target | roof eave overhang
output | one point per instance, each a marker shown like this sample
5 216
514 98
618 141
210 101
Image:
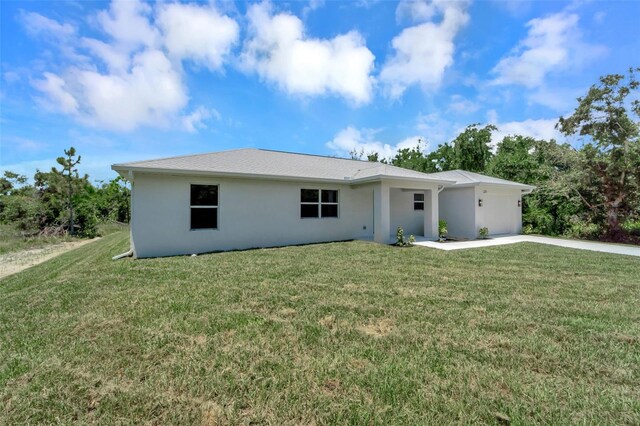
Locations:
378 178
502 185
124 171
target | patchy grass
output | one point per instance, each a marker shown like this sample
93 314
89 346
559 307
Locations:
12 239
331 333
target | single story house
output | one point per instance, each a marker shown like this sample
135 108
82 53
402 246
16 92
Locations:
250 198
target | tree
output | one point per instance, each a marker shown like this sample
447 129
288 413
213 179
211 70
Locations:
70 173
442 159
514 159
411 158
608 117
472 148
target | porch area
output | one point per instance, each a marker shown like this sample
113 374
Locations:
410 205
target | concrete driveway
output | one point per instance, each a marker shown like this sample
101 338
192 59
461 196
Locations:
512 239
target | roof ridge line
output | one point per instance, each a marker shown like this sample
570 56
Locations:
188 155
313 155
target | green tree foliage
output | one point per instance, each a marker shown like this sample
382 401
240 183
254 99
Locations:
70 175
61 199
472 148
608 117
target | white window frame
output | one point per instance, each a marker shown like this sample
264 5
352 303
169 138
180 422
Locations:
216 207
319 203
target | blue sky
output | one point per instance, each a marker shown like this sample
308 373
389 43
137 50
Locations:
129 80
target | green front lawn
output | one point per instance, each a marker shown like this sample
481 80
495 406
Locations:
331 333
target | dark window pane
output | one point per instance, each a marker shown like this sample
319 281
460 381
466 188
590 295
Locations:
309 195
418 206
204 195
418 197
308 210
329 196
329 210
204 218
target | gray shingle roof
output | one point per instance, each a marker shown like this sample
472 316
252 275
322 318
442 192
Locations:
266 163
465 178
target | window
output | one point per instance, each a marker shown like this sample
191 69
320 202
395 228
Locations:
204 206
418 201
318 203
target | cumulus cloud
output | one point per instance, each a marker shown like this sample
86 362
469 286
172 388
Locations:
58 96
536 128
134 76
351 139
127 22
197 33
279 51
423 52
553 44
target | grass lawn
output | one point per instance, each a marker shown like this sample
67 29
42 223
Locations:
331 333
12 239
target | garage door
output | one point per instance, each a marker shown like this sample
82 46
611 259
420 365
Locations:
500 213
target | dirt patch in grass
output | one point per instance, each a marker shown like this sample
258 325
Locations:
14 262
377 328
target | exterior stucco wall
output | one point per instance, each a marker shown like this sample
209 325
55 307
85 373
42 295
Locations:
458 208
251 213
403 214
499 212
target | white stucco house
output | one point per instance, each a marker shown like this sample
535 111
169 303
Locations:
249 198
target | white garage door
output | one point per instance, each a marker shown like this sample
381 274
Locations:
500 213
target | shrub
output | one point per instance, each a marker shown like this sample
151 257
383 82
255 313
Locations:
442 230
582 230
632 227
484 232
401 241
86 219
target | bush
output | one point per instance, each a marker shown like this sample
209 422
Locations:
401 241
582 230
86 219
484 232
632 227
528 229
442 230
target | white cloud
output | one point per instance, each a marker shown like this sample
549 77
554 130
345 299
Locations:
197 33
558 99
536 128
460 105
57 92
437 129
38 25
127 22
351 139
196 119
313 5
553 44
143 83
280 52
422 53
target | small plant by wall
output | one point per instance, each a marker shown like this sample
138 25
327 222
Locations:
484 232
442 230
401 240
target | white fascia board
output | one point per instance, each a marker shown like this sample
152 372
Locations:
181 172
123 170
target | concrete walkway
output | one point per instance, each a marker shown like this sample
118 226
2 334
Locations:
512 239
